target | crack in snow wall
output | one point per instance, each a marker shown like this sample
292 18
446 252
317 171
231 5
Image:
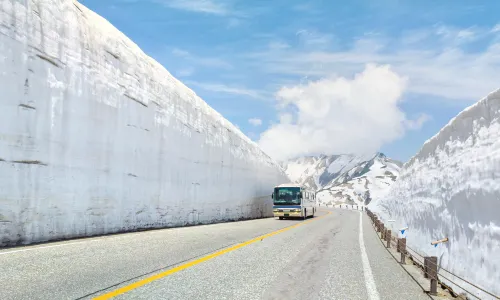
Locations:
451 188
96 137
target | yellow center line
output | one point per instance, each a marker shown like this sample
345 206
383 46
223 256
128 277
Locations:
145 281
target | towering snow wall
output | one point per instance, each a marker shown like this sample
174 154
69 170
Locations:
451 188
96 137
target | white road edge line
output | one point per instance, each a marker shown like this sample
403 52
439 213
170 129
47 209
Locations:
45 247
371 287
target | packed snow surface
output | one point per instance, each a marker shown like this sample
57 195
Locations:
97 137
451 188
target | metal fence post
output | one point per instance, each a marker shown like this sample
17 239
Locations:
432 267
402 248
426 267
388 238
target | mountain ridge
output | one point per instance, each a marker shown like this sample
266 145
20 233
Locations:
344 178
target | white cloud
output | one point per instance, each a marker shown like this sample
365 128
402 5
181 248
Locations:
313 38
255 121
286 118
186 72
496 28
415 37
222 88
180 52
339 115
203 6
456 36
214 62
252 135
465 34
434 60
276 45
418 123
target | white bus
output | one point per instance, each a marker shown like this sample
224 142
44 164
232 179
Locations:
293 200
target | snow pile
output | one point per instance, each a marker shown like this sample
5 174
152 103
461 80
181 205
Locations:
345 178
97 137
451 188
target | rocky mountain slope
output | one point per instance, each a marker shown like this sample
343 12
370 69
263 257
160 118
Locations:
344 178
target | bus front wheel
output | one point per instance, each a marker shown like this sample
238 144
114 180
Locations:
281 218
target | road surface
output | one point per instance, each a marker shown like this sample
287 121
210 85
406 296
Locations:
327 257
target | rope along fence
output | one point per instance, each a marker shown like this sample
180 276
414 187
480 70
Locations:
428 264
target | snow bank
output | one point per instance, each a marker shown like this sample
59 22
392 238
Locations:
96 137
451 188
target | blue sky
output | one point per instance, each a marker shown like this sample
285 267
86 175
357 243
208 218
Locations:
300 67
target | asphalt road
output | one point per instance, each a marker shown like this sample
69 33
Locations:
326 257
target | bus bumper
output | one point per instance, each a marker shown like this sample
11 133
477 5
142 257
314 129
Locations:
288 214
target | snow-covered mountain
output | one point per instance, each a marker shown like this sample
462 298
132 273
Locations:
344 178
451 188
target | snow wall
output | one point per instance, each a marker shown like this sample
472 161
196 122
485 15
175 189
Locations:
96 137
451 188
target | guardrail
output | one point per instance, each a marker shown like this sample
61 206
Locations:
428 264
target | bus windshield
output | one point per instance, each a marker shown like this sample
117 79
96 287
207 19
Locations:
287 196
